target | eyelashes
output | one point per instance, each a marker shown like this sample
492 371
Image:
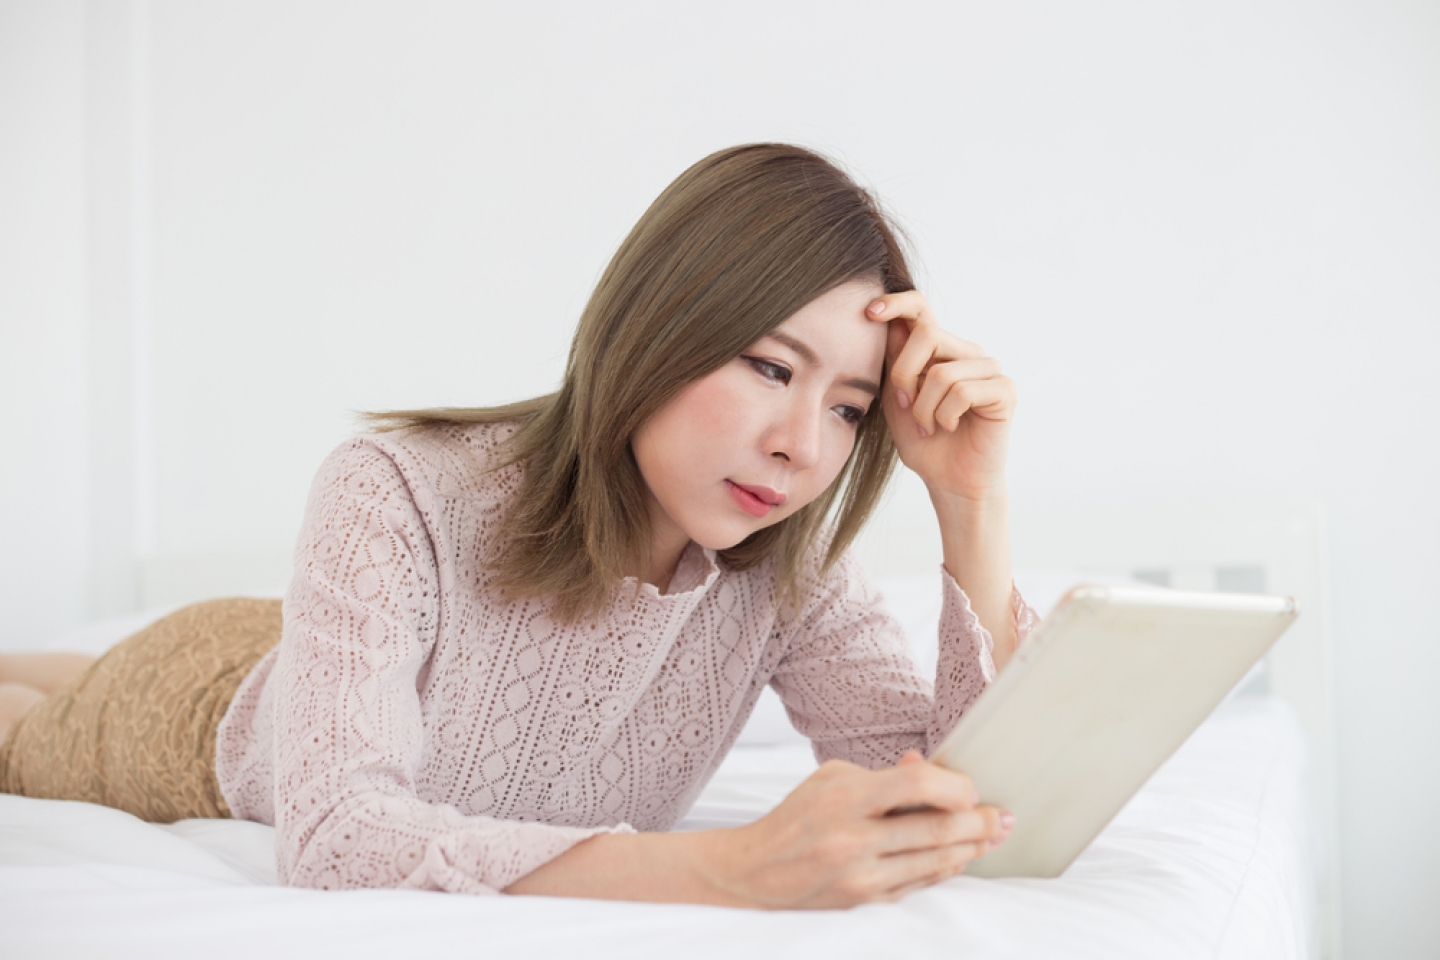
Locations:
781 374
773 372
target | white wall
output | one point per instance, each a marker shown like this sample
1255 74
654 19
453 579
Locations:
44 482
1203 238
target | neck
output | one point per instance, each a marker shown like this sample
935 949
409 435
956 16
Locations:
664 557
667 544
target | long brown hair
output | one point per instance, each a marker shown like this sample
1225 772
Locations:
734 246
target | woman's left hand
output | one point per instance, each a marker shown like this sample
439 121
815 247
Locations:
948 404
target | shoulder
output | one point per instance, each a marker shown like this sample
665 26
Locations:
453 461
825 591
434 488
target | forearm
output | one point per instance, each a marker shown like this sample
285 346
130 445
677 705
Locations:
650 867
976 539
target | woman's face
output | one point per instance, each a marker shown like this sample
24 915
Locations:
753 442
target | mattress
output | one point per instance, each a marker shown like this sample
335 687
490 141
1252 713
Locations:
1208 860
1213 858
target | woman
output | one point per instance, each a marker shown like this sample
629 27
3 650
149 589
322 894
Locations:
515 635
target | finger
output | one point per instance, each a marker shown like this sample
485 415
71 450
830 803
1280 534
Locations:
837 770
924 867
950 347
900 893
940 384
924 348
910 756
918 785
942 402
895 337
911 304
990 399
957 867
910 361
924 831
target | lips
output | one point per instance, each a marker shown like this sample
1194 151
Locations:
755 500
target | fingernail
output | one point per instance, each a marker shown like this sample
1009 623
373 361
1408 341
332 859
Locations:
877 308
902 398
924 432
1007 822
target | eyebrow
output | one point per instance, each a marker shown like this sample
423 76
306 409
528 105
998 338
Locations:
812 358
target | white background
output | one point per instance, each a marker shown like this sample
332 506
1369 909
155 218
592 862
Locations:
1204 237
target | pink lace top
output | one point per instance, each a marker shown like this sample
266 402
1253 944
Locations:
414 729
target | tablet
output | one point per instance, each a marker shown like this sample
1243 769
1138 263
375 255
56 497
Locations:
1104 690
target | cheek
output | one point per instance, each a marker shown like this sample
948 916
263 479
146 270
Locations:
833 459
692 428
715 410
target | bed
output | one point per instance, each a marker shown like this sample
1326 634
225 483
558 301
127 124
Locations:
1228 851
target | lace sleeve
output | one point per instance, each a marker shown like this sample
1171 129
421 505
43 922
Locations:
360 621
966 662
850 683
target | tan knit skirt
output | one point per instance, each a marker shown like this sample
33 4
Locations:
136 730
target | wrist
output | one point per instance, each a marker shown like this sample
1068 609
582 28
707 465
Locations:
647 867
716 862
969 503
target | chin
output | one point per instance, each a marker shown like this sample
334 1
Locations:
718 543
729 536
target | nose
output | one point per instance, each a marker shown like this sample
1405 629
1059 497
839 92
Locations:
795 437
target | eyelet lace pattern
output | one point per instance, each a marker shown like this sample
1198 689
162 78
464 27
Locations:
415 729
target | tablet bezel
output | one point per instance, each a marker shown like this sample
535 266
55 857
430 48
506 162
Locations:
1169 657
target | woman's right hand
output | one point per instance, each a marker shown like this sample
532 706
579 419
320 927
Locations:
843 837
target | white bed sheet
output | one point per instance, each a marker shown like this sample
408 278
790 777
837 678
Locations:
1211 859
1208 860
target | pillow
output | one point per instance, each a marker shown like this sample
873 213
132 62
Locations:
98 636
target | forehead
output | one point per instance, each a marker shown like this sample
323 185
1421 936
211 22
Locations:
835 326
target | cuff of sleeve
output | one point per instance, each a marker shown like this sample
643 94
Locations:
956 608
496 863
1026 619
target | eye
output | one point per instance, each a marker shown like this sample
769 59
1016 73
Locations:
851 414
774 372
